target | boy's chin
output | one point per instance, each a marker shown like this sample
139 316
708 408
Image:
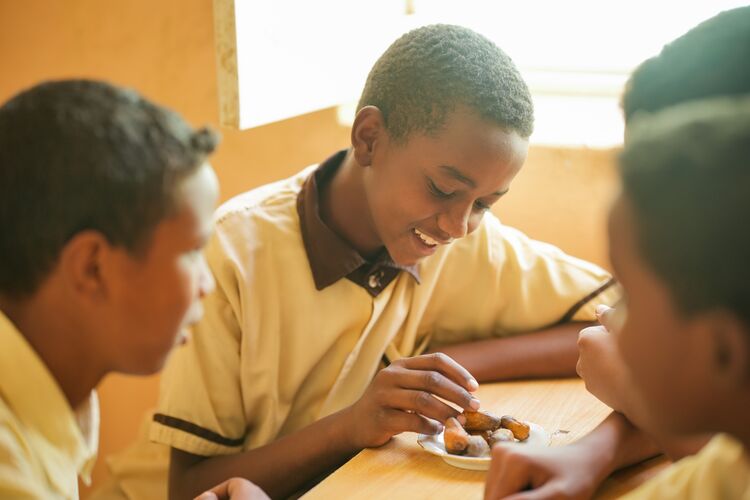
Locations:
403 258
145 365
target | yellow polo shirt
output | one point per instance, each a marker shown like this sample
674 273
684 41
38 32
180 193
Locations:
720 471
299 324
44 444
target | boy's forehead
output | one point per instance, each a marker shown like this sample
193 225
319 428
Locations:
195 200
199 190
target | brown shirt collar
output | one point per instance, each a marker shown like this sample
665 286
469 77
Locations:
330 256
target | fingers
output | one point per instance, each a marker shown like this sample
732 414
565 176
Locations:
605 315
234 489
444 364
423 403
505 476
586 337
546 492
415 394
401 421
216 493
433 382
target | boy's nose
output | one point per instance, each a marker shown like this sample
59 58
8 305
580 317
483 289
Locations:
455 222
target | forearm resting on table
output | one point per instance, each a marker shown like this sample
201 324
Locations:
616 443
552 352
280 468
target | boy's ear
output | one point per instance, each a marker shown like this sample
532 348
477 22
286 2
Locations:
367 129
82 262
730 340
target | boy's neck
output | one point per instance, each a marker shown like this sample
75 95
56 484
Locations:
52 334
344 208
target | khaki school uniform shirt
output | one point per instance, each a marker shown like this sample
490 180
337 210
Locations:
300 323
44 444
720 471
278 348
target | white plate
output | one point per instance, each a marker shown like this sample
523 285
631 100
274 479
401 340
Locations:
434 444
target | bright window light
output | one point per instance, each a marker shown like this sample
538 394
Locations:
296 56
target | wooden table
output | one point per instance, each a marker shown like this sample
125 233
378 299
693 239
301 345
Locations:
401 469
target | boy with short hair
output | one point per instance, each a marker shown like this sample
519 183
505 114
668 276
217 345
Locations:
693 314
677 74
105 204
685 338
333 284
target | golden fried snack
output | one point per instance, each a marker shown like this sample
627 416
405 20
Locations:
519 429
480 421
477 447
455 437
501 436
485 435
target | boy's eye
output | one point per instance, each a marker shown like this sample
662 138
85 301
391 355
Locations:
439 193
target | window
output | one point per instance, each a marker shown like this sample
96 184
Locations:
282 58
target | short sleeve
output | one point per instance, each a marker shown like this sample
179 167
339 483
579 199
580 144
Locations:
541 285
200 409
499 282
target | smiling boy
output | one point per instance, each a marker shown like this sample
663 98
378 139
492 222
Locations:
333 284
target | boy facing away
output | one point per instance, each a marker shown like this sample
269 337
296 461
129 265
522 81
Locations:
679 74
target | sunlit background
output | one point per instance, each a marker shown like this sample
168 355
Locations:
295 56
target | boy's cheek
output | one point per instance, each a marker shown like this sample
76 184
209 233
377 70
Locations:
630 348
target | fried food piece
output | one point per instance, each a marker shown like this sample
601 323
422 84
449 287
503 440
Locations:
519 429
501 436
477 447
455 437
480 421
484 434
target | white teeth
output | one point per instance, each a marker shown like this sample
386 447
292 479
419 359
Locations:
427 240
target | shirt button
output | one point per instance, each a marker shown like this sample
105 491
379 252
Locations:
373 281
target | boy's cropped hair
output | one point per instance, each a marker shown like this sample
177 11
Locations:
81 155
428 72
686 173
720 45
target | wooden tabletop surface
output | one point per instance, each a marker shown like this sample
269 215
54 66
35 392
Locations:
401 469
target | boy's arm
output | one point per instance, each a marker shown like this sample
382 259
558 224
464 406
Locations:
551 352
399 399
572 471
280 468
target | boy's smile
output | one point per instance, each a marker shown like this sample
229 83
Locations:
415 196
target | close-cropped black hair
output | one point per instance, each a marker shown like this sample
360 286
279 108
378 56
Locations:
81 155
431 71
686 173
709 60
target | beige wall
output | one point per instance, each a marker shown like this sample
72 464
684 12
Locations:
164 48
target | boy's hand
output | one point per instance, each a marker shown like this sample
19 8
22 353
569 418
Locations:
599 362
518 473
236 488
401 398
